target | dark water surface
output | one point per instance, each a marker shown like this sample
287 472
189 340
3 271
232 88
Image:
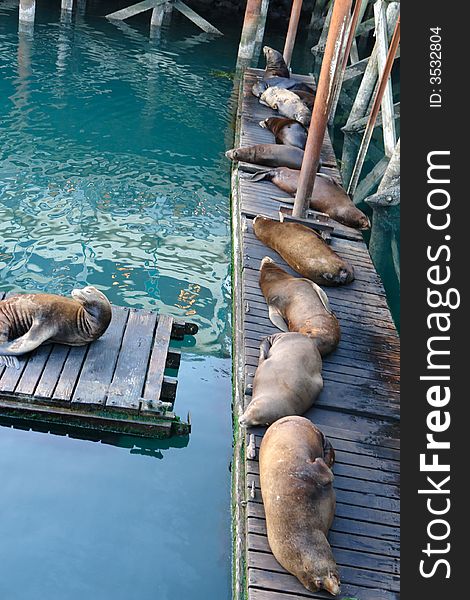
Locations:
112 173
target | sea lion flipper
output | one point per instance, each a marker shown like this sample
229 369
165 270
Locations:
260 175
328 452
322 295
277 319
323 473
28 342
9 361
264 348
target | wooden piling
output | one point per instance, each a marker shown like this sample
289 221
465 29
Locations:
292 30
321 107
254 19
375 109
27 11
364 94
67 5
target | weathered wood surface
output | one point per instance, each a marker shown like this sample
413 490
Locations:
117 383
358 408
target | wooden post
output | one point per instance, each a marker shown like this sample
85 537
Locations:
27 11
363 96
375 109
67 5
321 107
292 30
389 133
251 24
344 58
261 27
157 15
81 7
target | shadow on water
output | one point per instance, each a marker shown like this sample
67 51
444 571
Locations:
135 445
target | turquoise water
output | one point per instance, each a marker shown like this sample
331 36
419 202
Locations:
112 173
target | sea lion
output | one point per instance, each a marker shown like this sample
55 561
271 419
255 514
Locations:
29 320
287 381
307 97
299 305
271 155
328 196
286 131
299 87
275 64
304 250
299 501
287 103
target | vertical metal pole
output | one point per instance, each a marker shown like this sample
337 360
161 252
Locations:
375 108
292 30
251 23
27 10
321 107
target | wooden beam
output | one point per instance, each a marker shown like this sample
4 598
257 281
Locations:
135 9
389 133
360 125
195 18
375 109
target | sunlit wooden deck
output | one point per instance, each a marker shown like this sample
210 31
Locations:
358 408
116 384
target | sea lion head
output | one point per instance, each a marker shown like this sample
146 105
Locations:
319 570
273 57
232 154
343 276
258 88
95 303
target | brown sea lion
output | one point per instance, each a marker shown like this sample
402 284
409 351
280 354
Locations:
275 64
304 250
307 97
299 305
271 155
328 196
287 103
29 320
283 82
296 480
286 131
287 381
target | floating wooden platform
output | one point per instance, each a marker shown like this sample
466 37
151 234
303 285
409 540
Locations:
358 408
116 384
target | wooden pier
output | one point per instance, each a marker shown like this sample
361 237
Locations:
116 384
358 408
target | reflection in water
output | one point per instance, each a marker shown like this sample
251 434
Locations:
113 174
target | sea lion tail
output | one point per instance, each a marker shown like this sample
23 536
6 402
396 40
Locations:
260 175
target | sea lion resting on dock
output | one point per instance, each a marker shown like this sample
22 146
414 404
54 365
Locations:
29 320
287 103
295 463
328 196
304 250
275 64
299 305
270 155
287 381
286 131
299 87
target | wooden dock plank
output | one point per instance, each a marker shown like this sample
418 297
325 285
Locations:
157 364
358 408
126 387
98 369
98 387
